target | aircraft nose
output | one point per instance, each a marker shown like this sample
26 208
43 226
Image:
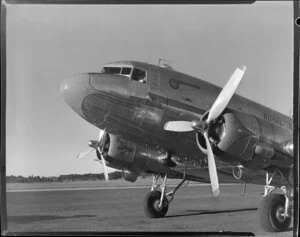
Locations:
73 90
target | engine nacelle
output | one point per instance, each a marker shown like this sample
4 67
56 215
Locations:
241 173
242 135
125 155
247 139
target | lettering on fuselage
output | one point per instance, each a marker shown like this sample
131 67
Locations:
272 119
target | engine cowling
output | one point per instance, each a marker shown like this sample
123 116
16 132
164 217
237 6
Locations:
239 135
230 135
132 157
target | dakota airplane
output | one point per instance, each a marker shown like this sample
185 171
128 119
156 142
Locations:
155 120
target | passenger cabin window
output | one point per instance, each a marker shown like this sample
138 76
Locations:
138 75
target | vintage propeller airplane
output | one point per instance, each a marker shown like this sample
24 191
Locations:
154 120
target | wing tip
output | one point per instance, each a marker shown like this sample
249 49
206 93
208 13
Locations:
243 68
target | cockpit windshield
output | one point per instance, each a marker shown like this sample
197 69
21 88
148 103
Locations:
126 71
117 70
133 73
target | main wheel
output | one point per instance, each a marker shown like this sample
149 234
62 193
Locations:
271 211
151 205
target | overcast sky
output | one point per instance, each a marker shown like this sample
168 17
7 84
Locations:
46 43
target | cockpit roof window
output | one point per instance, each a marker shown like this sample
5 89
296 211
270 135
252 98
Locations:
111 70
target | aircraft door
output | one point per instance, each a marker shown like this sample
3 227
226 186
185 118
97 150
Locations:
156 101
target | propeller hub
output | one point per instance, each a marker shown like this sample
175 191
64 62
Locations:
93 144
199 126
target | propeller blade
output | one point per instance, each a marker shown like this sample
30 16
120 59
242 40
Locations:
101 135
84 153
212 168
102 140
226 94
105 167
178 126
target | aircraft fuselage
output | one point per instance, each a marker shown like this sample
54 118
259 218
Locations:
138 111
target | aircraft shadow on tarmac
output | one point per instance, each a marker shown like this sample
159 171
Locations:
204 212
30 218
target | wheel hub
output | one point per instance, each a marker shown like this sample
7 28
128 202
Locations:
280 214
156 205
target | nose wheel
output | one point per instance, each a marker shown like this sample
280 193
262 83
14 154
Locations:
156 203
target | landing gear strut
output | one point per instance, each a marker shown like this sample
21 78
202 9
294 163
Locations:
156 203
276 209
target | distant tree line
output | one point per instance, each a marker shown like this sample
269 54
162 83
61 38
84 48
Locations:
62 178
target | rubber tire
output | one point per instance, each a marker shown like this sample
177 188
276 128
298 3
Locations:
149 202
267 212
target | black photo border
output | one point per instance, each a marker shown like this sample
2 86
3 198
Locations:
296 64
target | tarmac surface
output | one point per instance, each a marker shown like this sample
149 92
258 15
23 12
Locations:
118 207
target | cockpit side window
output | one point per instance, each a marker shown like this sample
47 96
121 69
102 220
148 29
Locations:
111 70
138 75
126 71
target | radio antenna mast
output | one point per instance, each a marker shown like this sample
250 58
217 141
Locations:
161 59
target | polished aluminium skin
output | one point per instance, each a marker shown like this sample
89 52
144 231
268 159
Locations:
170 124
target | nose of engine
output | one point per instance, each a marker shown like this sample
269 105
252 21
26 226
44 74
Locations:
73 90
